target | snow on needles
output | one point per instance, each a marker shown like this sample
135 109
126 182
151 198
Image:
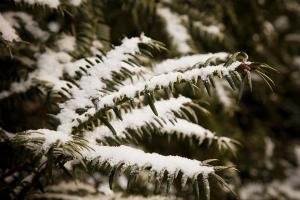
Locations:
91 84
75 2
170 65
163 80
131 156
66 43
50 69
138 118
7 32
187 129
49 137
175 29
16 19
67 114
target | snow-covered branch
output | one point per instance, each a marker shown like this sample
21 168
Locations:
134 157
175 28
138 118
184 62
91 84
68 113
18 19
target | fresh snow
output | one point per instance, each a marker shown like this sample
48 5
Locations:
66 43
184 62
224 95
14 19
50 70
175 29
7 32
212 30
96 45
188 129
162 80
132 156
91 83
75 2
138 118
50 137
16 87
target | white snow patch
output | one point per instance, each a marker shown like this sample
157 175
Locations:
54 26
188 129
91 83
50 137
269 148
30 24
131 90
50 69
66 43
175 29
75 2
138 118
7 32
96 45
223 95
185 61
212 30
132 156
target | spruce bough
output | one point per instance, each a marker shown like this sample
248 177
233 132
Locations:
106 104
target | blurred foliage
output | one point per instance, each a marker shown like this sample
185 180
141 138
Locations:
268 30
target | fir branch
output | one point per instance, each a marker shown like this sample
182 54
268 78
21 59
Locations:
175 29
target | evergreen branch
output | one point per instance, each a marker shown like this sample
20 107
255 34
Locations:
139 117
19 20
41 141
142 88
185 62
123 157
117 158
178 33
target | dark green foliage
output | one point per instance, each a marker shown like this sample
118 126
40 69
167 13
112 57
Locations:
245 26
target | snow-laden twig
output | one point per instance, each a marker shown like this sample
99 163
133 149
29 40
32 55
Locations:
17 87
50 68
188 129
224 95
184 62
138 118
175 29
68 113
16 19
210 30
131 156
91 84
75 2
47 138
66 43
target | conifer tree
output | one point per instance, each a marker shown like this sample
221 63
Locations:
130 99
